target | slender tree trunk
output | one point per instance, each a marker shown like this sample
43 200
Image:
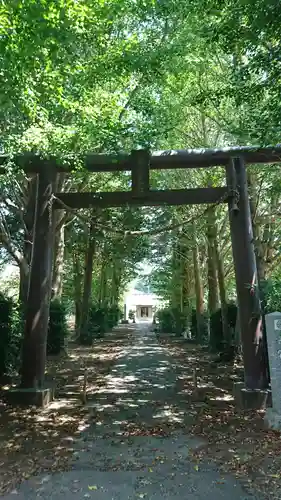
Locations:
263 242
199 293
263 236
23 285
29 216
178 284
185 280
59 244
223 299
103 276
188 283
259 250
59 248
88 276
213 296
77 279
115 283
176 292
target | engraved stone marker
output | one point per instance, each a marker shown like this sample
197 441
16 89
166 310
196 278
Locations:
273 334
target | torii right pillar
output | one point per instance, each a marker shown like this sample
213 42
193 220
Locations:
253 393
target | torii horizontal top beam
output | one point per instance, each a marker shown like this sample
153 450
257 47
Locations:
150 198
169 159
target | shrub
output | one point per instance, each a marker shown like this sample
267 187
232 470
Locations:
17 331
171 320
131 315
58 330
180 321
165 320
216 332
11 334
271 295
217 341
193 323
201 338
101 320
114 315
232 315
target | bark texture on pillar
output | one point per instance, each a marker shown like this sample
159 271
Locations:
38 302
246 275
140 170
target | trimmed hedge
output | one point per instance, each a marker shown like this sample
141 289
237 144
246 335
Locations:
101 320
11 334
58 330
114 315
171 321
217 341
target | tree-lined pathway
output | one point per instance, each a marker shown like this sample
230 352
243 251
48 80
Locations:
135 443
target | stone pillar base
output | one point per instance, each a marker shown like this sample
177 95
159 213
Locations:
29 397
272 419
248 399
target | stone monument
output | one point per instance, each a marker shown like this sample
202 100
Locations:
273 334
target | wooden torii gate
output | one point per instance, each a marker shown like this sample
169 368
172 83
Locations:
140 162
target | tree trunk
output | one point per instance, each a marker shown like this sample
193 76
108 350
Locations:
213 296
223 299
185 280
115 283
104 281
23 285
176 292
59 244
77 281
59 247
263 243
259 250
199 293
29 217
104 275
188 284
263 233
88 276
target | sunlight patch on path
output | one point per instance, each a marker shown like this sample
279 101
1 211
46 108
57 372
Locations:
136 443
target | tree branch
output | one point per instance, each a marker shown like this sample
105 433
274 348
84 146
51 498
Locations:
12 249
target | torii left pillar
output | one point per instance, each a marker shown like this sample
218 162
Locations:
32 389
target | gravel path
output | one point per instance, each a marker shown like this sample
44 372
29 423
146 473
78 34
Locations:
111 464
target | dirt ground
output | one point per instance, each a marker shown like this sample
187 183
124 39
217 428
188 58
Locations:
236 440
34 441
